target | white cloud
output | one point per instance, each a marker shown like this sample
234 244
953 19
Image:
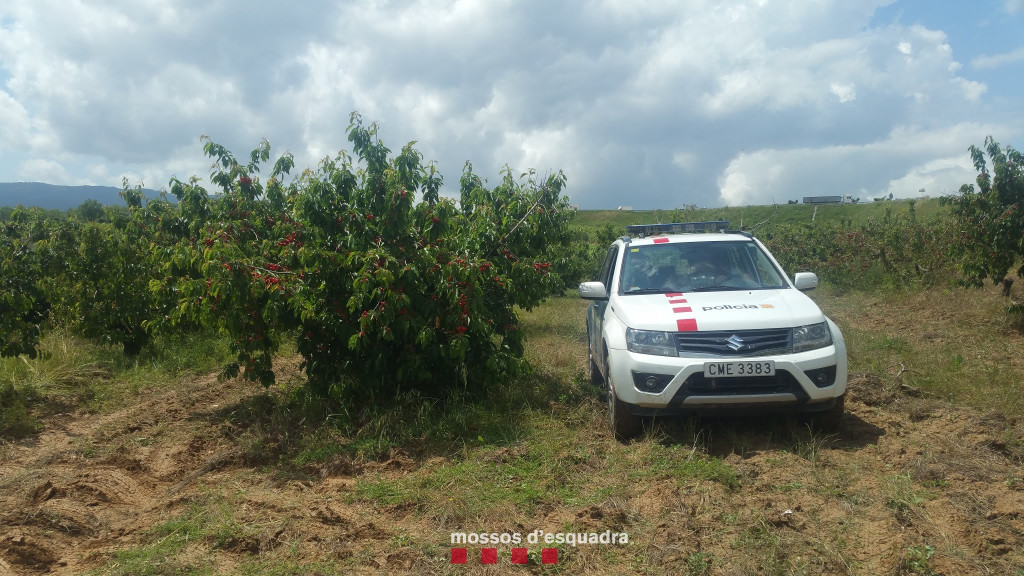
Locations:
97 173
936 177
739 187
845 92
997 60
1014 6
903 162
628 99
21 131
971 90
43 170
14 118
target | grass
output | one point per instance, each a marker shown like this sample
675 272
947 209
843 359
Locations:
536 453
762 543
74 373
808 443
698 564
186 543
163 555
955 344
542 469
16 403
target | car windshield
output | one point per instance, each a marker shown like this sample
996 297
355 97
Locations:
698 267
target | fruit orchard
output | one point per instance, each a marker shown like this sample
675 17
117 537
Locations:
384 285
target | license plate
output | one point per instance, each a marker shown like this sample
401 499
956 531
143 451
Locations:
739 369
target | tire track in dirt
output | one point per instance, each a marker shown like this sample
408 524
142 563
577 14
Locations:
904 472
90 484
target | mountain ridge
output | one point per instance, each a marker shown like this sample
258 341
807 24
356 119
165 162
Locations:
59 197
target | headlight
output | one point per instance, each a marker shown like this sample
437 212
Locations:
811 337
651 342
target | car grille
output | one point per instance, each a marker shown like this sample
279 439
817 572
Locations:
754 342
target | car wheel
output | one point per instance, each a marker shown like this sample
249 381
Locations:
624 424
595 373
830 420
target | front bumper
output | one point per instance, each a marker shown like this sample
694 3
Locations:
689 391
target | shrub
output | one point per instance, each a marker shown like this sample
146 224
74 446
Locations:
23 306
381 291
988 220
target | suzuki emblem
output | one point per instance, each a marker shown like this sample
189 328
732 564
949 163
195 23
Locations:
735 342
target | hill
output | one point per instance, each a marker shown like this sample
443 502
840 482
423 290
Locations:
54 197
750 215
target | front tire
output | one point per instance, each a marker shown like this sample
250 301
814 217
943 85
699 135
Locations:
830 420
624 424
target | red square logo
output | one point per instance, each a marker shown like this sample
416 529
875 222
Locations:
519 556
488 555
458 555
549 556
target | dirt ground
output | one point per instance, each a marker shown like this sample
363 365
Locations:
904 473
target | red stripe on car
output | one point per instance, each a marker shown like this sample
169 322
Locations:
686 324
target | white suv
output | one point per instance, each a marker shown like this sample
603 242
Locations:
685 321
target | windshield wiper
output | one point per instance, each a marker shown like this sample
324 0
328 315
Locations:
649 291
717 288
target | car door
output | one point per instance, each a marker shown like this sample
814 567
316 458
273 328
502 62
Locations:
597 308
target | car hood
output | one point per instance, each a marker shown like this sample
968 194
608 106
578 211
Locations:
704 311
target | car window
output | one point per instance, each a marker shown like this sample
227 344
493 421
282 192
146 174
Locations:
697 266
605 276
767 274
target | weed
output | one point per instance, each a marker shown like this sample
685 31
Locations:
682 463
384 492
16 419
401 540
917 560
698 564
903 499
766 544
185 544
808 443
162 555
737 439
260 567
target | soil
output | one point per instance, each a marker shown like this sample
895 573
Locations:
90 485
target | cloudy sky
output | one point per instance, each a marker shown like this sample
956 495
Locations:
651 104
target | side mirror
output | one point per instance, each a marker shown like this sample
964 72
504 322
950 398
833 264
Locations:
593 291
805 281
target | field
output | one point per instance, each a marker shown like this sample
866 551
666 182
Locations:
751 215
154 467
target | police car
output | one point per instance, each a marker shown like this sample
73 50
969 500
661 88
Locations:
692 318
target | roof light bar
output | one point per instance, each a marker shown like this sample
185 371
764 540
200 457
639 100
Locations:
641 230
